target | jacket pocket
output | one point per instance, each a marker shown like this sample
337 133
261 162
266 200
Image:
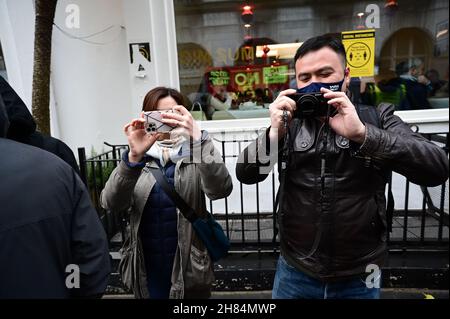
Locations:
304 139
341 142
199 271
358 230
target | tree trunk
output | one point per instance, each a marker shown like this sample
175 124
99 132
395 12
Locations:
45 13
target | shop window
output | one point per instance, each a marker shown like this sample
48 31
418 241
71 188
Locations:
236 56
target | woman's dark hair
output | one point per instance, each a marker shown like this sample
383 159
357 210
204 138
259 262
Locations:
154 95
319 42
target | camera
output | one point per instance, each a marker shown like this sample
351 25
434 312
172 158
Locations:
153 122
310 105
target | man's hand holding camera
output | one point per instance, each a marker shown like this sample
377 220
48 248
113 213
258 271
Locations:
346 122
276 109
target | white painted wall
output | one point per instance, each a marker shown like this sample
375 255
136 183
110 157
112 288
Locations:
90 79
152 22
17 38
93 85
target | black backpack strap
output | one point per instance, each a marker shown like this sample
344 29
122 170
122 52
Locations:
370 114
185 209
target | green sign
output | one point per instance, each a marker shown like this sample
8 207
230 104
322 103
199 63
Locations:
219 77
275 74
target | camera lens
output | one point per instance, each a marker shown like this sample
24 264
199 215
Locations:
150 127
308 103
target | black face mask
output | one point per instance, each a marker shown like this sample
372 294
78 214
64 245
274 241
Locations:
316 86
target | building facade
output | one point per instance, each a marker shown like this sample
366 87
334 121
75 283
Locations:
230 58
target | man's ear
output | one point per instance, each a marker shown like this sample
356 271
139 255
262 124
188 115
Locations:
347 76
347 72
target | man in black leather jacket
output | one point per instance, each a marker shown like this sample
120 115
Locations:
332 215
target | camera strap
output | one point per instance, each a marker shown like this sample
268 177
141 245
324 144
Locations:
281 192
284 163
283 171
285 156
323 158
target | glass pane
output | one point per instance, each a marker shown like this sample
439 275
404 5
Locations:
236 56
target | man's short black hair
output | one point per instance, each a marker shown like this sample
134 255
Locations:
319 42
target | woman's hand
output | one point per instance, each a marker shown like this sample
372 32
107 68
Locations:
138 139
184 122
346 122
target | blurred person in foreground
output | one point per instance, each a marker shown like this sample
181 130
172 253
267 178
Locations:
52 242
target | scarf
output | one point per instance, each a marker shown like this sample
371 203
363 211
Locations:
169 150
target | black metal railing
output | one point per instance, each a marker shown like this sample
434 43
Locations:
254 229
95 172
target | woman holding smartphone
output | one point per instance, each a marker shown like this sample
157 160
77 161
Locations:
163 258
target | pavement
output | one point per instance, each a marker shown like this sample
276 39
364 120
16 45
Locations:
387 293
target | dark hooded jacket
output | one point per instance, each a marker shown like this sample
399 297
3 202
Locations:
22 127
52 242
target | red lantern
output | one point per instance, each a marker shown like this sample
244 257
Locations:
391 7
266 50
391 4
247 14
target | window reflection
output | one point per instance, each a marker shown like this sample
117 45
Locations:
234 60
